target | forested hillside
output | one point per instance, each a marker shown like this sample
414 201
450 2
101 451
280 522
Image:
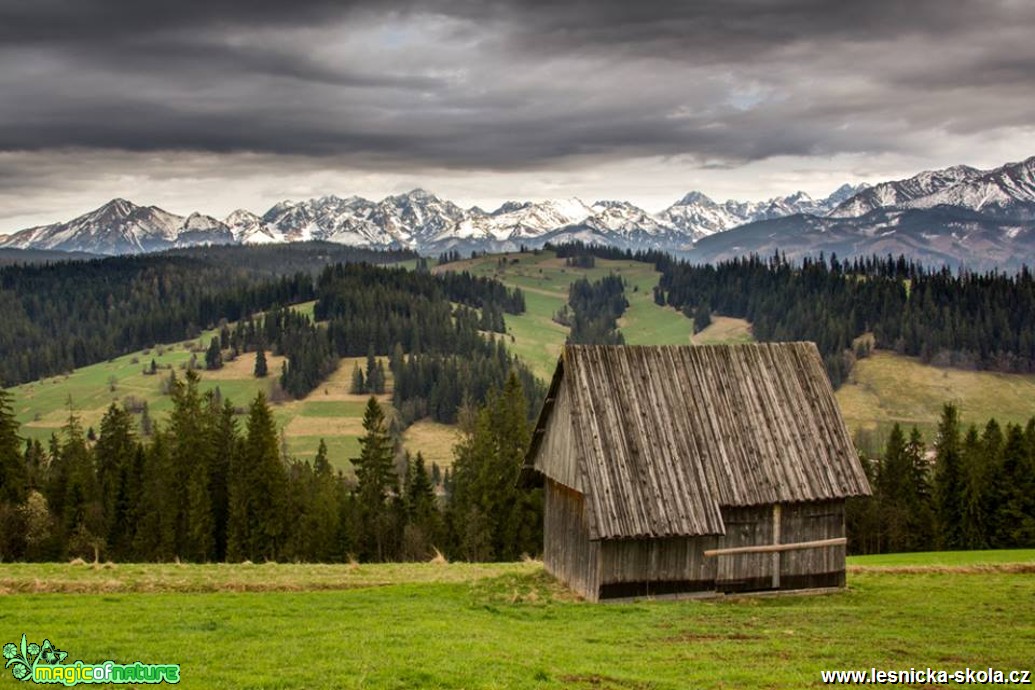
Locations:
963 319
60 317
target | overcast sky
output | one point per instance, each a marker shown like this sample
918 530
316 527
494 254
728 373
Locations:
211 105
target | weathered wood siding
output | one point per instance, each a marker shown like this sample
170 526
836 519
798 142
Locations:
745 572
569 555
644 567
824 567
556 456
799 569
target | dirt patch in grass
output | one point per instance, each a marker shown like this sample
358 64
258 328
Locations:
243 368
324 426
724 329
594 680
977 569
712 637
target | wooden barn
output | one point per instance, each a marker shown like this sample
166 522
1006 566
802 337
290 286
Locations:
694 469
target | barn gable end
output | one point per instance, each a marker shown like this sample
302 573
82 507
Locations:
660 447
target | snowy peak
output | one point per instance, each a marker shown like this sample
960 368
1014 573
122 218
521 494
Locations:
899 192
518 220
1007 192
117 227
700 216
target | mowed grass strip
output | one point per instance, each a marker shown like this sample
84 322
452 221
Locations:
512 626
1022 560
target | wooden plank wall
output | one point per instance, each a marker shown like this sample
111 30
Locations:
661 566
556 457
750 571
569 555
807 568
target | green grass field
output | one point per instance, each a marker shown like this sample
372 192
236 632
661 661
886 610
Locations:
509 626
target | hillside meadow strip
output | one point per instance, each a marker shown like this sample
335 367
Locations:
508 626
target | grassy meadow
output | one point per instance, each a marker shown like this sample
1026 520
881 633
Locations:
886 388
330 412
439 625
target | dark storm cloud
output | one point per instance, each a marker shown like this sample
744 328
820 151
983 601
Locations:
505 85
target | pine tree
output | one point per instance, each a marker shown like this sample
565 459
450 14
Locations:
115 452
261 367
12 468
213 356
949 480
376 481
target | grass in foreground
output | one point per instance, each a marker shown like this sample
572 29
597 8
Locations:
511 626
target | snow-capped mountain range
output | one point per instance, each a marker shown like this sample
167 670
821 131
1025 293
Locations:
958 216
957 210
417 220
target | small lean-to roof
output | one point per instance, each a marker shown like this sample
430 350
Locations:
666 436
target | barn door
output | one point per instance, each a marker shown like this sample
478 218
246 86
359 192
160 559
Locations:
740 571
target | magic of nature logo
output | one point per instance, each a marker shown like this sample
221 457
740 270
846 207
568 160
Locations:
42 663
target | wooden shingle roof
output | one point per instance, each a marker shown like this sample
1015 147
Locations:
666 436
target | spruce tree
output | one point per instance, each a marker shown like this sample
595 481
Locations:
376 481
190 446
359 385
115 452
423 521
1015 523
12 468
894 487
213 356
922 523
267 490
949 480
490 516
261 367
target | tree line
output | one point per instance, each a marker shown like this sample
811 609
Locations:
203 489
976 490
